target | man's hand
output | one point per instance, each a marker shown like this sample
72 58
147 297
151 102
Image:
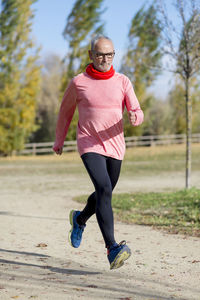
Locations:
59 151
132 117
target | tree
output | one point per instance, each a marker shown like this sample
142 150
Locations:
47 101
82 24
178 112
182 44
176 96
19 75
142 53
158 118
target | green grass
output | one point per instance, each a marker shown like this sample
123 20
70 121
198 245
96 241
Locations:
138 161
158 160
176 212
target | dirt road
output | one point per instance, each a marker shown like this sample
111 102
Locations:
36 261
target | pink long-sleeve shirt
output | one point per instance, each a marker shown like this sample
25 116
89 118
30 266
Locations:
100 105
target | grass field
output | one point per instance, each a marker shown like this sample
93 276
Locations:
147 160
175 210
160 159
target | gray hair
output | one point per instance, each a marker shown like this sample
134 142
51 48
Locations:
96 38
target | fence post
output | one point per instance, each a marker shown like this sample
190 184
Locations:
34 148
152 143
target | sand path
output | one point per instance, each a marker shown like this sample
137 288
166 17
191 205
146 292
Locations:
34 212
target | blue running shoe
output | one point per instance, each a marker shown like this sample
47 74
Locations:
75 234
117 254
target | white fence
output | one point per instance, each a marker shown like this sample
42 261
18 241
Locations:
133 141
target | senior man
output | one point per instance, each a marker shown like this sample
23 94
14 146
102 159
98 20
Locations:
101 95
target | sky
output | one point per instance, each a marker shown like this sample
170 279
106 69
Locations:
51 17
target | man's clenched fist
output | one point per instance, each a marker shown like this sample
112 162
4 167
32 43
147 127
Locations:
132 117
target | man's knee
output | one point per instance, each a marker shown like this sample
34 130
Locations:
105 190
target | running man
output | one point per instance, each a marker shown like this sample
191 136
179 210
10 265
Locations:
101 95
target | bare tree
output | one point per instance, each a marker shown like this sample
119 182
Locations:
181 43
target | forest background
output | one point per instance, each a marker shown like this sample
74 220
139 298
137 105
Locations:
32 85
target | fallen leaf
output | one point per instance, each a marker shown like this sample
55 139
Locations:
78 289
92 286
42 245
195 261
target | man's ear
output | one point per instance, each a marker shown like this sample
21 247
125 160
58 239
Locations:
90 54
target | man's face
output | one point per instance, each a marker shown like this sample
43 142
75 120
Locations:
102 55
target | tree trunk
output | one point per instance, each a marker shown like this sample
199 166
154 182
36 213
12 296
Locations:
188 134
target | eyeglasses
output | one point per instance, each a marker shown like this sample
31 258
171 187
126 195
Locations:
100 55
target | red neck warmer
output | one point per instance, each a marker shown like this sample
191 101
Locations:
90 70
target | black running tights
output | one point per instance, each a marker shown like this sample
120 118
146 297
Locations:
104 172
